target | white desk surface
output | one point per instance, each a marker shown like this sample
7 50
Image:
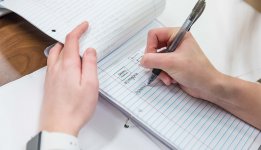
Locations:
229 32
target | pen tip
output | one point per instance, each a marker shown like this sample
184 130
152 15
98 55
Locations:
151 79
149 82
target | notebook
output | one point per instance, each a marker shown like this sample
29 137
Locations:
118 32
112 22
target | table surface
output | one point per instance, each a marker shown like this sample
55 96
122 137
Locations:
21 48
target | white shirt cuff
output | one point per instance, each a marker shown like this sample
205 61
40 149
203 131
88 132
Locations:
55 140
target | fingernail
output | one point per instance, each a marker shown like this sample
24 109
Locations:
48 49
85 22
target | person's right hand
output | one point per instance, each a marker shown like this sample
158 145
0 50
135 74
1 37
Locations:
188 66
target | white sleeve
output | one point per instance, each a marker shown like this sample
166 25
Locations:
55 140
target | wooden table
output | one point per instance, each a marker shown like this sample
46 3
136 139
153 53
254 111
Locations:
255 4
21 48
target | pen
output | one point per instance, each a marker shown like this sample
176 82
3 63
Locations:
192 18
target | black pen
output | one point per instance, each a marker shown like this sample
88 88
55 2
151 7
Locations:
195 14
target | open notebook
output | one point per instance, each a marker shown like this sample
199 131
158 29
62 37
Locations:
118 31
112 22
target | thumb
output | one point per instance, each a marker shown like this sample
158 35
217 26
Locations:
156 60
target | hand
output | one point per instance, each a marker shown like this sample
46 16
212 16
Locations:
187 66
71 86
190 68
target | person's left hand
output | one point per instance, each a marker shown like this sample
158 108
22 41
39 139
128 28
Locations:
71 86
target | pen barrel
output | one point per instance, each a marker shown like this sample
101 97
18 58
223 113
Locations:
180 35
177 41
156 71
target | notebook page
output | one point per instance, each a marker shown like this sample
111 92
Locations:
112 22
177 118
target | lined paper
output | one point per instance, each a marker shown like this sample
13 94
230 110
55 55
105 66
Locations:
182 121
176 117
112 22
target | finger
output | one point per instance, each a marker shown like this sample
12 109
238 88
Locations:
158 38
165 78
156 60
54 54
71 46
89 67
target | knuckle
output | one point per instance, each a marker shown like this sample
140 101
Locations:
151 32
189 34
91 83
90 62
175 29
93 62
52 69
71 36
68 63
90 57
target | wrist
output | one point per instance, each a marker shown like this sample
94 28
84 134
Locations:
221 89
61 127
214 89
